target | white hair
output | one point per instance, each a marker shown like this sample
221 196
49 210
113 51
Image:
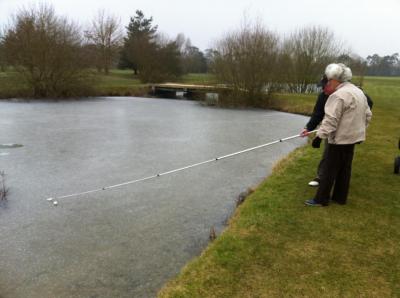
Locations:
339 72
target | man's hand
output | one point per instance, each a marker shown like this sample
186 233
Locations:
304 133
316 143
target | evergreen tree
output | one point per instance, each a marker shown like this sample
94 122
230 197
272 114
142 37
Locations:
139 41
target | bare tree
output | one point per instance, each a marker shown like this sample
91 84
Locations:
46 50
246 60
2 53
162 39
192 59
180 42
106 35
357 64
304 55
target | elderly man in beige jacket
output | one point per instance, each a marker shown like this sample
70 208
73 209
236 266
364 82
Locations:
347 115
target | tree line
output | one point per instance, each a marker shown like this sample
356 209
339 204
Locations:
55 57
388 65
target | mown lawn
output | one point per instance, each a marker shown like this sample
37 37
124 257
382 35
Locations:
198 78
117 83
274 246
125 78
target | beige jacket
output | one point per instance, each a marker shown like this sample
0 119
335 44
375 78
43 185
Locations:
347 115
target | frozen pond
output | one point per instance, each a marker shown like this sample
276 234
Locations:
128 241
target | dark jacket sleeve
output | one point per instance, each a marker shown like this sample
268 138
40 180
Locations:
370 103
369 100
318 113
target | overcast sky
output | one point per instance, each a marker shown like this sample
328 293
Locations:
367 26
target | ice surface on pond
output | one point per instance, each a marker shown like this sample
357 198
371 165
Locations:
124 242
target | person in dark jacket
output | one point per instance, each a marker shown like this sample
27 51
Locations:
316 118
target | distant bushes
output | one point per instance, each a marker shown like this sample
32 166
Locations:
46 51
152 56
253 62
304 55
49 56
388 65
246 60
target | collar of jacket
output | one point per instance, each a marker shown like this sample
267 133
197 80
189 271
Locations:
342 85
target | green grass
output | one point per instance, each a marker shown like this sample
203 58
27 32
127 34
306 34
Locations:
198 79
11 85
276 247
117 83
118 78
293 103
124 82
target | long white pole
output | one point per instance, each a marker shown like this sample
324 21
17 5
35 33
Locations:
54 200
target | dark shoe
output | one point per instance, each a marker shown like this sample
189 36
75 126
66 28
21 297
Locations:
314 182
313 203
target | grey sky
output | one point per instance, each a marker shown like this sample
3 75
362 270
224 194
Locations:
367 26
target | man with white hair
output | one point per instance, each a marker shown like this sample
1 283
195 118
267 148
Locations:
347 115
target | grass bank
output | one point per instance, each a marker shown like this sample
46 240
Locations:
276 247
124 83
117 83
11 86
292 103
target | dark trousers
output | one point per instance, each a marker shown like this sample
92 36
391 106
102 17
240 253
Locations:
336 170
323 159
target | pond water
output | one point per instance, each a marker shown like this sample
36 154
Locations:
125 242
